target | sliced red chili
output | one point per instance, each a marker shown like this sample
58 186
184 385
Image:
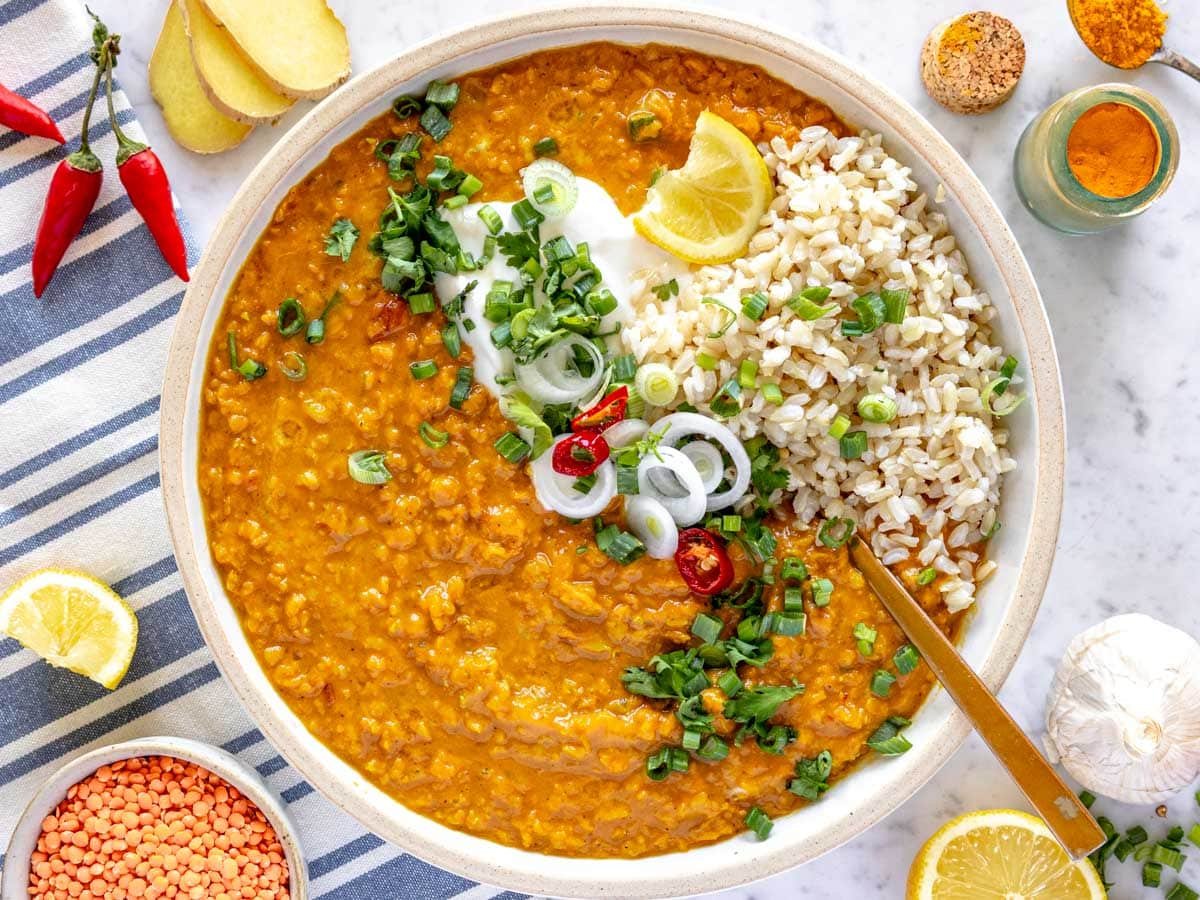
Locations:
608 411
580 454
705 566
389 318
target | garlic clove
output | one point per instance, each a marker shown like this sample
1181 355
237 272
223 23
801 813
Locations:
1123 714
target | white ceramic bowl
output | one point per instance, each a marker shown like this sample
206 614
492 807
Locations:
1032 495
24 837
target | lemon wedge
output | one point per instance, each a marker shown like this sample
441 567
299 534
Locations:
707 211
999 854
74 621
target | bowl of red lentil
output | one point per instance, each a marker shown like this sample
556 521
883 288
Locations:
154 817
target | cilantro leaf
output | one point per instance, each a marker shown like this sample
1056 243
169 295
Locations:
341 239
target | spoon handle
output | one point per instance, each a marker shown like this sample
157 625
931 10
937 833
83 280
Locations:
1056 803
1176 61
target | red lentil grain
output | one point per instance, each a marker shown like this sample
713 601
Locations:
156 827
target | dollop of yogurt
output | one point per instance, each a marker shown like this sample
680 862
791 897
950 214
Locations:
627 263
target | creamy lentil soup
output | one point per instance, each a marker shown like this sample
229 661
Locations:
440 629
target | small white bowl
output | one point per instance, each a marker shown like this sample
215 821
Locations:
15 883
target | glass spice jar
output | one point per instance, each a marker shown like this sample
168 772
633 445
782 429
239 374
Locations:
1050 189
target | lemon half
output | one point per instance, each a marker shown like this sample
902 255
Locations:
73 621
707 211
999 854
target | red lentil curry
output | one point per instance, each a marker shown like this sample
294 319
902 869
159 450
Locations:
440 631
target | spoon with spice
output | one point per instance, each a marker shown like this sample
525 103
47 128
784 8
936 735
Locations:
1127 33
1060 809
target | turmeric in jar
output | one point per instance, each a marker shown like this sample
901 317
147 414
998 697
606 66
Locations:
1123 33
1113 150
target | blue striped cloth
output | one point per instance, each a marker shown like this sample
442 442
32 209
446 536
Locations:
80 372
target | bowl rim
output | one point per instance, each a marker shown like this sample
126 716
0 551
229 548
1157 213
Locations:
903 120
220 762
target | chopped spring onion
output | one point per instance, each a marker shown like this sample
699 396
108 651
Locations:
470 186
551 187
713 749
839 426
877 408
658 383
455 202
759 823
1009 367
853 444
906 659
998 388
462 386
730 316
887 740
772 394
624 368
601 301
290 319
315 333
793 599
432 436
836 533
511 447
871 311
404 107
250 369
895 305
619 545
425 368
368 467
787 623
727 402
451 339
793 570
650 521
707 627
754 306
1167 856
822 591
1087 798
865 636
729 683
706 361
421 304
442 94
643 125
881 683
547 146
435 123
491 219
807 304
927 576
748 374
1151 874
729 524
1180 891
667 760
293 366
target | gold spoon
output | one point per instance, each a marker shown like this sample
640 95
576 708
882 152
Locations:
1162 55
1056 803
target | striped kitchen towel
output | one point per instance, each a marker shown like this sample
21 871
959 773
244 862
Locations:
80 372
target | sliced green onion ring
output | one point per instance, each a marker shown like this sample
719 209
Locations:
657 383
730 316
293 366
551 187
290 319
368 467
433 437
877 408
836 533
999 388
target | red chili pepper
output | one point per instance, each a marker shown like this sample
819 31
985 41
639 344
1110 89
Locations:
26 117
73 192
705 566
146 183
608 411
580 454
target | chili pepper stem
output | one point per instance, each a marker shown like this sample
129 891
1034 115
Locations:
83 158
125 146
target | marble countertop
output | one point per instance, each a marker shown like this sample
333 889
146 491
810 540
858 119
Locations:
1124 314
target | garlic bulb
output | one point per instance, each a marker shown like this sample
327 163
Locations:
1124 710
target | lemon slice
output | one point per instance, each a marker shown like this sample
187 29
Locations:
999 854
707 211
74 621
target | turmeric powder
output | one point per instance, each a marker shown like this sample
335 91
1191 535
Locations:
1113 150
1123 33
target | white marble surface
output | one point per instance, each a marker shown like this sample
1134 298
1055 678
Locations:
1122 305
